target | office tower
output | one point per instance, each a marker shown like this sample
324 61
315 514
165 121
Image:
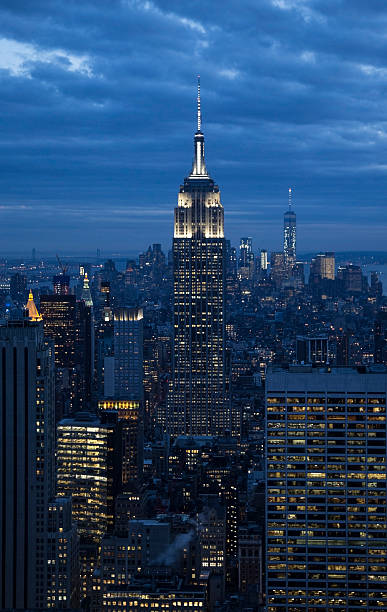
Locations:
326 489
312 350
27 433
61 284
86 295
376 287
70 324
18 288
298 275
124 371
351 279
31 309
263 260
59 320
212 536
246 254
84 354
89 460
89 463
290 234
130 415
62 556
196 403
322 267
277 268
103 335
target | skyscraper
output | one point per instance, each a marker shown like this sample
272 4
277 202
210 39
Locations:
290 234
89 462
27 434
326 489
197 395
128 353
246 254
322 267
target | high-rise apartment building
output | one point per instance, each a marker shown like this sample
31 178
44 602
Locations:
326 489
290 234
197 403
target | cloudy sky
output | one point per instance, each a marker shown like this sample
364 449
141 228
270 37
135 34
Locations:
98 114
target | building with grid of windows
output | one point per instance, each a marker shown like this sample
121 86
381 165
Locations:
197 396
326 539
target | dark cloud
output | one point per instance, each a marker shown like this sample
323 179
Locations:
97 116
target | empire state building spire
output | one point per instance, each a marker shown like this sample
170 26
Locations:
199 166
197 404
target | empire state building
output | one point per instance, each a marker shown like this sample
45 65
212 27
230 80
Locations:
197 404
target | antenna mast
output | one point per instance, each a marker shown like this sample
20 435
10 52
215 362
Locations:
199 109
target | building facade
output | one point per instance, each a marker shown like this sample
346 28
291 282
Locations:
326 490
27 470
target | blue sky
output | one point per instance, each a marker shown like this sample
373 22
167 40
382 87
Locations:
98 114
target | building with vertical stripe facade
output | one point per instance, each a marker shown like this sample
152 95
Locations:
27 441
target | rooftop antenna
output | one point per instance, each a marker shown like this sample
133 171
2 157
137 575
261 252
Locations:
290 198
61 265
199 111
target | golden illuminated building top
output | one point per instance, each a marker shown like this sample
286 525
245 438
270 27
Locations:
33 313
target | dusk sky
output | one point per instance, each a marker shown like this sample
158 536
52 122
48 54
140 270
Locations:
98 116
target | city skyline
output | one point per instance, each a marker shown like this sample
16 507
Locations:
99 130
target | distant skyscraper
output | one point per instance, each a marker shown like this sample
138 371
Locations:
86 295
61 284
124 370
18 288
278 270
263 257
322 267
27 434
326 546
197 397
290 234
246 254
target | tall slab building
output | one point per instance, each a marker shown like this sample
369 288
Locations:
326 546
196 404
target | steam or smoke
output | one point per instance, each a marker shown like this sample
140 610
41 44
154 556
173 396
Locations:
170 556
